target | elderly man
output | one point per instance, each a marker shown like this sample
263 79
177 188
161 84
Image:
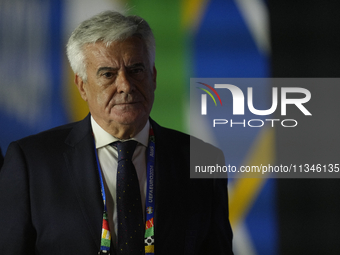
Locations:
115 182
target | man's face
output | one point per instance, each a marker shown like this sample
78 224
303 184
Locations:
120 83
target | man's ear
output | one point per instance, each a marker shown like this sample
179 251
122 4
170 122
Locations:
80 85
154 76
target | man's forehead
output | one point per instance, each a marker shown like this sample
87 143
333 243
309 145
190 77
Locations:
132 49
131 44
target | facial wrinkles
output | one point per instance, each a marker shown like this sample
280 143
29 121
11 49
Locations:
121 57
100 55
108 96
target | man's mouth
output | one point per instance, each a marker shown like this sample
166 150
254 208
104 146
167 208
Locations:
128 103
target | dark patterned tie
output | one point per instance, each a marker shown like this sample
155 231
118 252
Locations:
129 207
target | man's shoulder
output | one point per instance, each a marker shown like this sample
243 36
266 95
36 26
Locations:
168 133
53 136
179 139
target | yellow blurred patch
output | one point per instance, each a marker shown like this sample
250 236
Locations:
245 190
77 107
192 12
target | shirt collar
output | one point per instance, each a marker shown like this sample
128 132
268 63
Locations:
103 138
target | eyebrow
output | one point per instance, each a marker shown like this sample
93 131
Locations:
136 65
105 68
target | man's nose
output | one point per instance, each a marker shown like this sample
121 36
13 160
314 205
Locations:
123 82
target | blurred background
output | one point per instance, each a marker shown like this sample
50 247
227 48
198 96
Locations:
207 39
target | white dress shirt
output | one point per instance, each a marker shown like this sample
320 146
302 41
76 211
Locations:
108 155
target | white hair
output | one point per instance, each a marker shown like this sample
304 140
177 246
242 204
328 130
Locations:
107 27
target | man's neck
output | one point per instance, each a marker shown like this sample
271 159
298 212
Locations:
120 131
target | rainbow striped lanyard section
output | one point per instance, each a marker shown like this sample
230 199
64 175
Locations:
149 237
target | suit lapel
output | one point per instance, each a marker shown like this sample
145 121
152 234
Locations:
82 166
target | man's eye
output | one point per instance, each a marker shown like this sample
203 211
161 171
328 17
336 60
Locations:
108 75
137 70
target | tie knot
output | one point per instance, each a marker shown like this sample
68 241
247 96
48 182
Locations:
126 149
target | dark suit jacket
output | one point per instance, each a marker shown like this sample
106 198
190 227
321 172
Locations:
50 200
1 159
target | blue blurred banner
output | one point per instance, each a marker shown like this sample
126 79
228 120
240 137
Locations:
31 55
